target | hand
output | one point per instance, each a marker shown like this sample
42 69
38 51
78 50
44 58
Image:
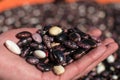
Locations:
12 67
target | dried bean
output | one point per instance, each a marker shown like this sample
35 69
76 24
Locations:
54 31
24 34
40 54
78 53
82 45
57 57
24 42
37 38
71 45
61 38
13 47
25 52
90 42
44 67
32 60
37 46
68 59
58 70
75 37
47 41
54 44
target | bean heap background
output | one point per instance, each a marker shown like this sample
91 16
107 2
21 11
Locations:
83 15
52 48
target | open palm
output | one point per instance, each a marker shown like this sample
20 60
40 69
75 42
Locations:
12 67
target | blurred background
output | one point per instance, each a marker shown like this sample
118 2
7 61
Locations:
103 14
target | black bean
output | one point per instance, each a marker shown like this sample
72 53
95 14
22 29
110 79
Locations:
76 30
68 59
82 34
46 28
61 38
23 34
90 42
78 53
75 37
57 57
44 67
32 60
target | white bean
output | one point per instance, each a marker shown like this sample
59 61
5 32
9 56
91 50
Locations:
13 47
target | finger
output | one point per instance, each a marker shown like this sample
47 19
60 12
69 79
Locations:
95 32
110 49
10 35
108 41
78 66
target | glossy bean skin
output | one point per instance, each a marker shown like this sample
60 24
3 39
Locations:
47 40
71 44
25 52
24 42
44 67
75 37
24 34
37 37
57 57
61 38
32 60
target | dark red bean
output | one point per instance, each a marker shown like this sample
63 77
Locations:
23 34
33 45
71 44
32 60
105 73
25 52
37 46
24 42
